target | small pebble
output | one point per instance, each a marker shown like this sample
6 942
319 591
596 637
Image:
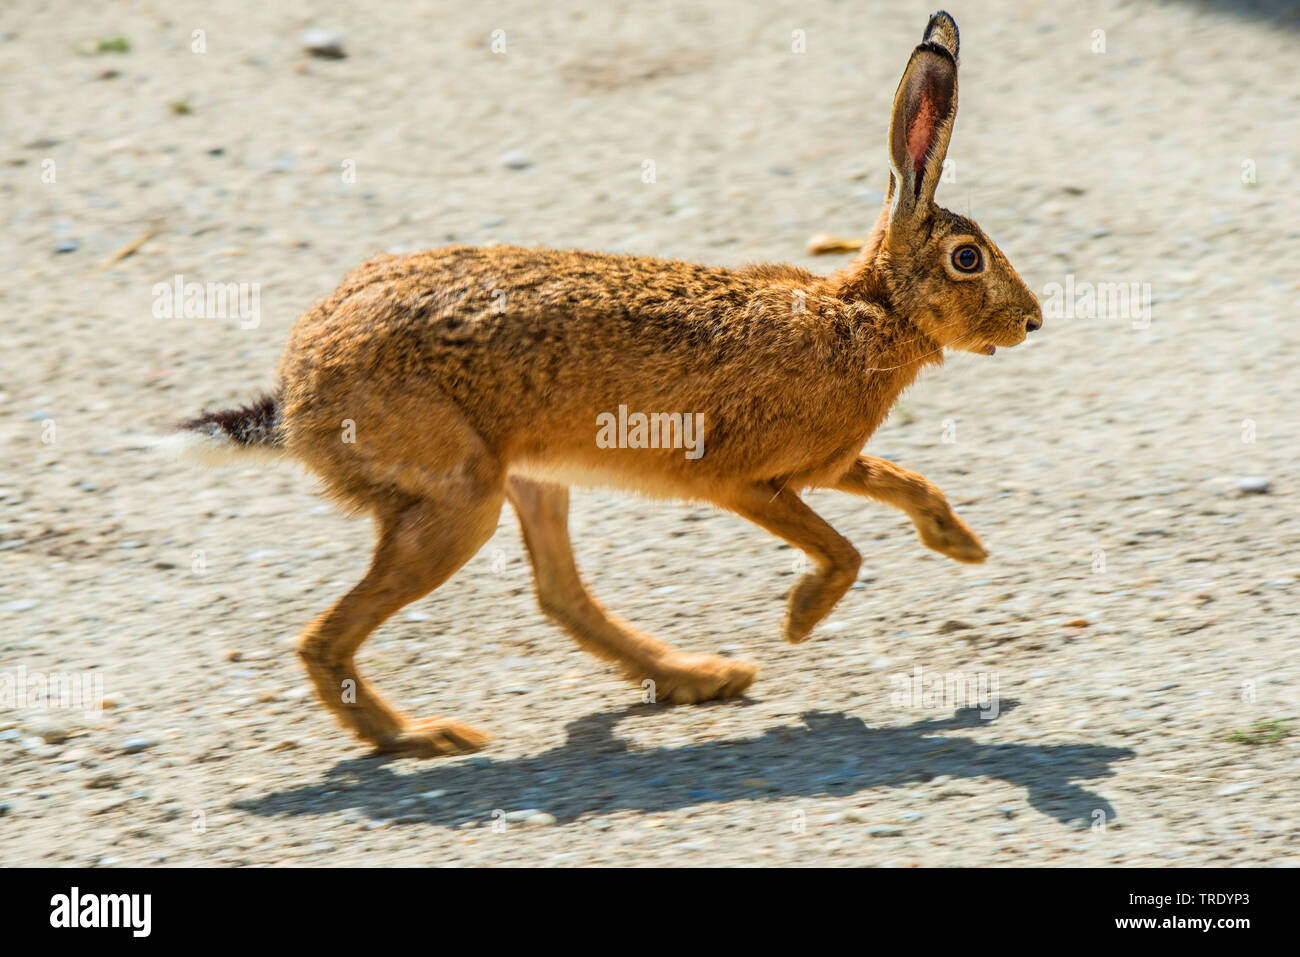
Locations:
325 44
284 163
515 159
50 733
1230 789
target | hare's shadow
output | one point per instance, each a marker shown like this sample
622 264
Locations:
594 772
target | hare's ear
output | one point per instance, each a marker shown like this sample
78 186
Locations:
925 107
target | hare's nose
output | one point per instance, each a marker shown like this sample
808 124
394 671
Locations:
1033 323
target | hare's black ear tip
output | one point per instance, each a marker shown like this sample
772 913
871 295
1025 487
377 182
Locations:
941 17
942 29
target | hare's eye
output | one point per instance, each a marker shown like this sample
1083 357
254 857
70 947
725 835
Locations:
967 258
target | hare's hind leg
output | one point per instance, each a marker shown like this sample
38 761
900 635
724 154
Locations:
422 542
938 525
678 676
784 514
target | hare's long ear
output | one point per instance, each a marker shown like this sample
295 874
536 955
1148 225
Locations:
925 107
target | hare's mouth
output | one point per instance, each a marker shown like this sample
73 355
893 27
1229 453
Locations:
1004 336
979 346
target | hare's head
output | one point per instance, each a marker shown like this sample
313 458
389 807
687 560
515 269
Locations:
939 268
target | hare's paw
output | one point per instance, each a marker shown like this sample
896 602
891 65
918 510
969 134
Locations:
815 595
433 737
945 532
688 679
801 617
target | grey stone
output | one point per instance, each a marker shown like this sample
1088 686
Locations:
515 159
323 43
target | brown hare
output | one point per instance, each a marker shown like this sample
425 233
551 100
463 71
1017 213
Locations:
428 389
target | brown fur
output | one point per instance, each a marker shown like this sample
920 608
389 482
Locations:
470 376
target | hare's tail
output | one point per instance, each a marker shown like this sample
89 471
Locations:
230 435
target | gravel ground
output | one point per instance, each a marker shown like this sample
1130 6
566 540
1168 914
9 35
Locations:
1133 475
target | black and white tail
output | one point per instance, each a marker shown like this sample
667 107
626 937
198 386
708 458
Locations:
230 435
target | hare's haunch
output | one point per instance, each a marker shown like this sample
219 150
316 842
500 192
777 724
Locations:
428 389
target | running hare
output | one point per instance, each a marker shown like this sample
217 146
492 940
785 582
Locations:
428 389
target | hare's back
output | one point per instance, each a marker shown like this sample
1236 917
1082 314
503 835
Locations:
512 334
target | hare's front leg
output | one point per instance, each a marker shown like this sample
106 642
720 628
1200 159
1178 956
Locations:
938 525
784 514
678 676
